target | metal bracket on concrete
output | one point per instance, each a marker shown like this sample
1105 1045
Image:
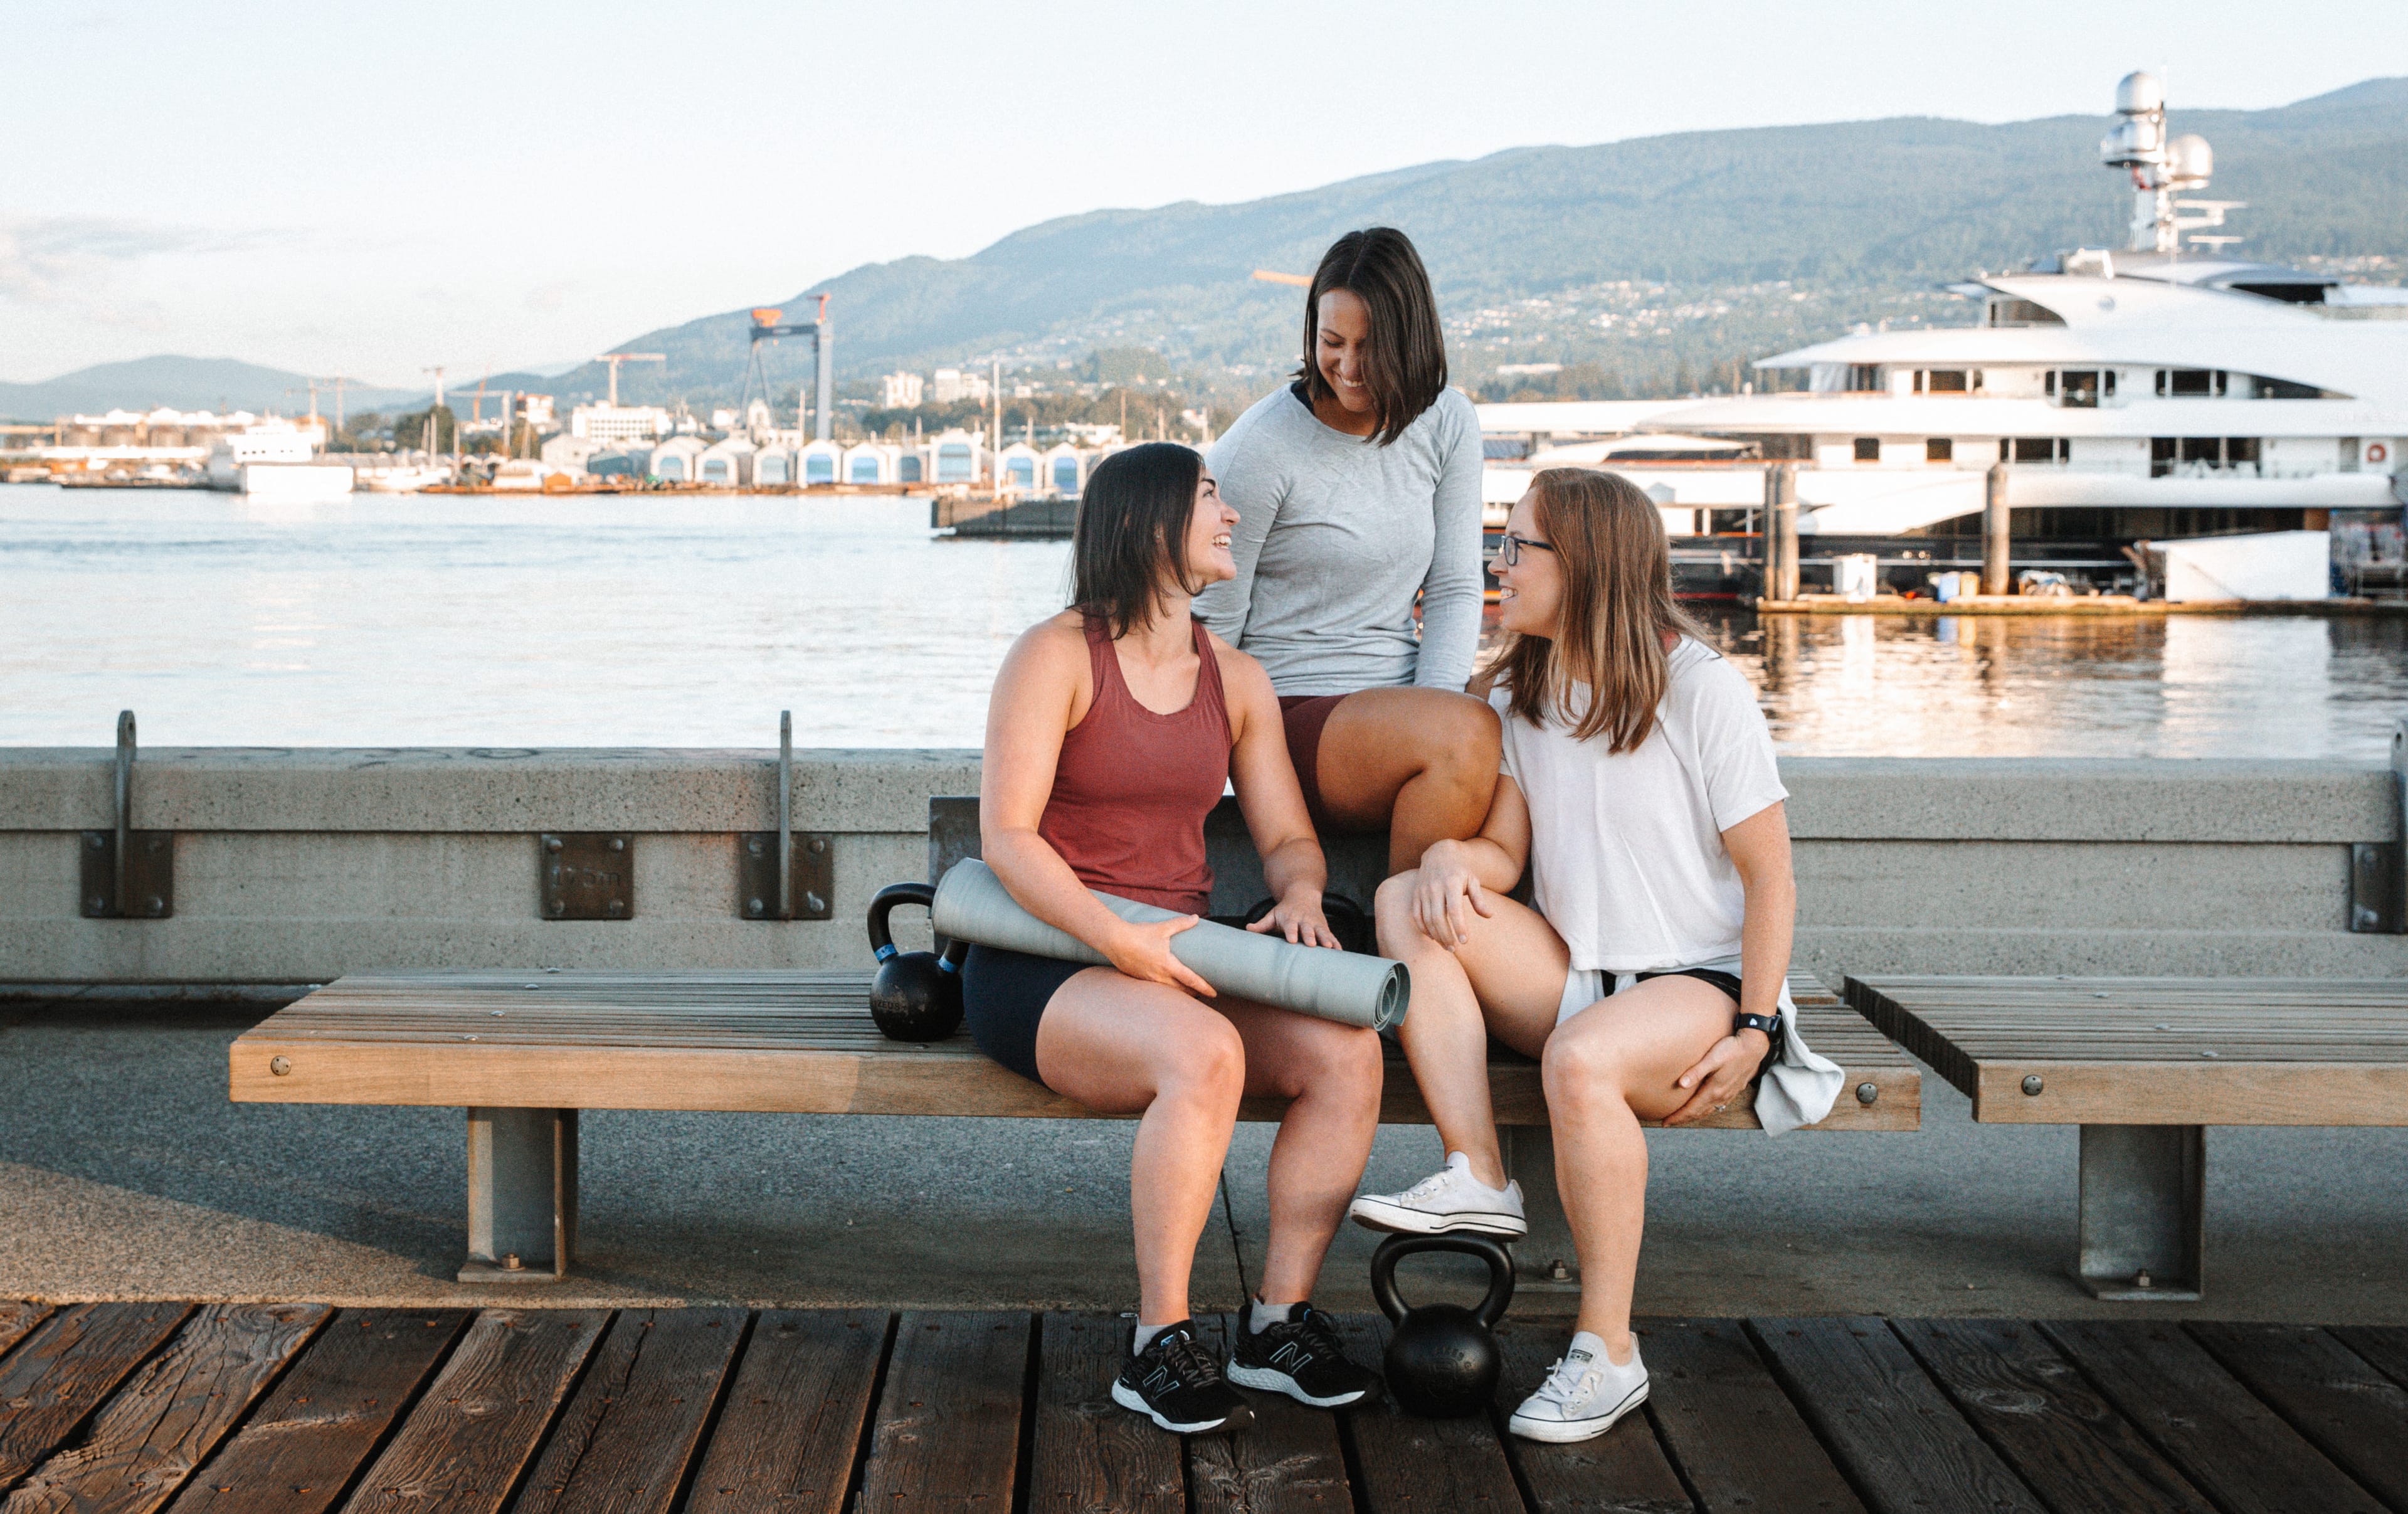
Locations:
522 1195
952 832
2143 1212
128 875
1545 1259
586 874
779 875
810 878
2378 870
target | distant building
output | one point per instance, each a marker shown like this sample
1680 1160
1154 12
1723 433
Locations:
535 409
900 391
566 453
952 385
618 423
673 461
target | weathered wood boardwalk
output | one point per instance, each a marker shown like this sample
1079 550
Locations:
293 1409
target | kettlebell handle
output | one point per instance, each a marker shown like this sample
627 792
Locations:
1396 1248
882 936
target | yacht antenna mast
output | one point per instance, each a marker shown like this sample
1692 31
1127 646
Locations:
2160 168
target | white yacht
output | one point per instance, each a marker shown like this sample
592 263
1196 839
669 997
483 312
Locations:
2163 389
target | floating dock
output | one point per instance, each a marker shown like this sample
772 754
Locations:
2068 604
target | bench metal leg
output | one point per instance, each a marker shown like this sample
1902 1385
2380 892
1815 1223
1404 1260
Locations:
522 1195
2143 1211
1545 1259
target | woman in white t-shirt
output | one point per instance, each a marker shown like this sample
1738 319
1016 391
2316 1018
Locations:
1639 782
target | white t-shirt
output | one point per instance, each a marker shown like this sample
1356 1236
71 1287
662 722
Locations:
1626 855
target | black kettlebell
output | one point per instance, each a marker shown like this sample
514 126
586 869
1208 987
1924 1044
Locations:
1442 1360
917 995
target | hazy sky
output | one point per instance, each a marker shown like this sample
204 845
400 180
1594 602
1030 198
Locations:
367 190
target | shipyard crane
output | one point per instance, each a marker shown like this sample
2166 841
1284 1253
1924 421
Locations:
614 359
768 324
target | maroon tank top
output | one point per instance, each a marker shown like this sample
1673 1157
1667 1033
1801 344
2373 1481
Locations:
1132 788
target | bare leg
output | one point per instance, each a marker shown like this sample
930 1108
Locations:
1420 762
1330 1073
1120 1046
1607 1068
1518 962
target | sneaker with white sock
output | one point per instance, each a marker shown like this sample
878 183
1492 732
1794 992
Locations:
1585 1393
1450 1199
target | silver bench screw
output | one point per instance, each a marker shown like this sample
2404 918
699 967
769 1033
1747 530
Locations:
2032 1084
1867 1093
279 1066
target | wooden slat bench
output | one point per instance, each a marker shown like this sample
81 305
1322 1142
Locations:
522 1052
2145 1065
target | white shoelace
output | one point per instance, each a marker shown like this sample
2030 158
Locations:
1429 1186
1568 1386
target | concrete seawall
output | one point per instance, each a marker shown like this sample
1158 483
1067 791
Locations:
297 865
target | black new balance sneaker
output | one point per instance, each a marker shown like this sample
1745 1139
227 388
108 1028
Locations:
1177 1383
1299 1356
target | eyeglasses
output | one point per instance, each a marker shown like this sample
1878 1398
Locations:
1509 548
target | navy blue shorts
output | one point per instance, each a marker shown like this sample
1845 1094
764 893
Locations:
1004 994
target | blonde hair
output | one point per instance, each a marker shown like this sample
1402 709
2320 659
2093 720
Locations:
1618 609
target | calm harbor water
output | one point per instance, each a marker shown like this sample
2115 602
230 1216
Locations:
477 622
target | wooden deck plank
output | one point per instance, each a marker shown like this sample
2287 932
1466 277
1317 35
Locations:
1623 1471
1736 1437
296 1455
18 1318
1089 1455
2353 1413
470 1435
787 1438
1422 1467
623 1442
948 1432
60 1374
168 1417
1900 1442
2384 1347
1288 1462
2066 1440
2234 1448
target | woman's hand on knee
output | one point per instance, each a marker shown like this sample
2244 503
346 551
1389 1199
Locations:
1143 953
1447 893
1720 1076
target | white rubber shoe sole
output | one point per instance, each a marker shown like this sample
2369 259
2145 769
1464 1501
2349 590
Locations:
1129 1398
1375 1213
1271 1379
1563 1432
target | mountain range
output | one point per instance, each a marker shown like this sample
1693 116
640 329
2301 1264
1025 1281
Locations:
211 383
1754 236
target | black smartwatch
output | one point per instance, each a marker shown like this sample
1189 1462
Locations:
1769 1024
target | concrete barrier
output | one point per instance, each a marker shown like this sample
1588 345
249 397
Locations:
297 865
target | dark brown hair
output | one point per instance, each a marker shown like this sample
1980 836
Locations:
1618 609
1405 359
1132 526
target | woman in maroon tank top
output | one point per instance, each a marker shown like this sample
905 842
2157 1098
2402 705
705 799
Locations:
1112 729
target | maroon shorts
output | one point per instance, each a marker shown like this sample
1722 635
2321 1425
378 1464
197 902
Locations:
1304 715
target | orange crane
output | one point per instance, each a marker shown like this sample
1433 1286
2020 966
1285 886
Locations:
614 359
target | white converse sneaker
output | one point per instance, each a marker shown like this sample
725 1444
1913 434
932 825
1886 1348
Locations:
1583 1396
1450 1199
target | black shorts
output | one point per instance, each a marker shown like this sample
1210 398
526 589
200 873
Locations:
1004 995
1728 985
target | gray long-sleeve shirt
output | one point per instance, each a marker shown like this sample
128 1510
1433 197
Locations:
1335 536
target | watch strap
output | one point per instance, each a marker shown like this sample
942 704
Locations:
1769 1024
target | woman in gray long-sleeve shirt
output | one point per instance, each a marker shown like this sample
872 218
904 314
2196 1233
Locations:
1357 490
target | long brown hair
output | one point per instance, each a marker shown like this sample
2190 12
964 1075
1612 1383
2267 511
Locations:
1132 526
1404 363
1618 609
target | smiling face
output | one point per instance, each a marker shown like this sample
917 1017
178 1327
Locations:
1344 325
1530 593
1209 525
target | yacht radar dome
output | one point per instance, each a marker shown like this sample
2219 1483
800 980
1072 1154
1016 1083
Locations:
2159 168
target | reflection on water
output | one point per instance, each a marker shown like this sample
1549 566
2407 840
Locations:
462 621
2176 686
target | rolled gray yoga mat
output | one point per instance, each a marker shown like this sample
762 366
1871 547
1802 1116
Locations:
972 904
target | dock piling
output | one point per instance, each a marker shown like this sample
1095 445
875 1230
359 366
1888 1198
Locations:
1997 536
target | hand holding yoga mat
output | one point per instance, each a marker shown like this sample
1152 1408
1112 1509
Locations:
972 904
